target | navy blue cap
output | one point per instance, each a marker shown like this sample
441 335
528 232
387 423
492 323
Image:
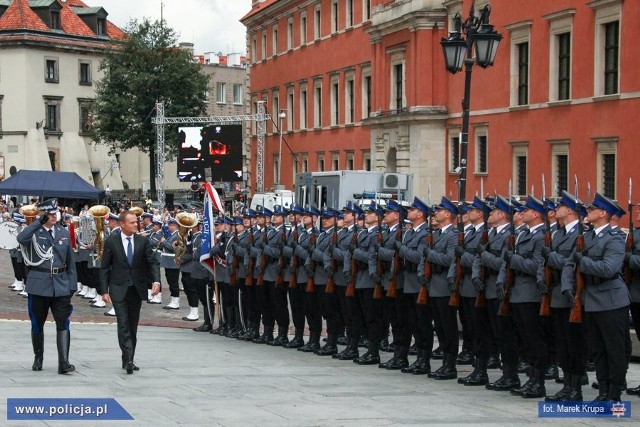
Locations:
113 217
339 215
147 215
48 206
280 210
297 209
349 207
375 208
394 206
68 216
330 212
535 204
265 212
621 212
312 210
465 207
174 222
517 206
502 204
600 201
419 204
227 220
549 205
249 213
481 205
569 200
156 222
358 211
238 220
448 205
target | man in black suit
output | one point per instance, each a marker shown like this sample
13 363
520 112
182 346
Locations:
128 265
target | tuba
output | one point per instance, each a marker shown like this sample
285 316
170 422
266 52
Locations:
186 221
98 212
137 210
30 212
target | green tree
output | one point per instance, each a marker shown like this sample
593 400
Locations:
144 69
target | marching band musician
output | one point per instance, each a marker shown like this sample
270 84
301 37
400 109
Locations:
147 223
186 268
155 237
16 259
51 280
171 269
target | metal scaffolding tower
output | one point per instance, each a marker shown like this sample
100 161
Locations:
160 120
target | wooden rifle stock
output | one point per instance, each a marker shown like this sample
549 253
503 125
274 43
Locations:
311 286
281 263
295 263
545 304
481 298
263 259
248 281
233 277
505 305
392 292
575 316
454 299
351 286
377 290
331 283
423 295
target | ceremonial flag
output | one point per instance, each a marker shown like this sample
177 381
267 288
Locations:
211 202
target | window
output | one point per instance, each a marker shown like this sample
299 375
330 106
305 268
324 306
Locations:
366 160
334 16
316 23
254 49
367 9
481 151
317 104
349 13
274 39
366 94
206 96
560 31
335 101
606 149
350 161
335 161
454 151
290 33
85 116
523 74
564 66
221 96
52 113
562 173
276 169
398 87
85 73
305 163
520 154
51 70
611 51
52 160
237 93
290 110
303 27
264 45
397 101
303 107
55 20
320 162
275 105
349 99
101 29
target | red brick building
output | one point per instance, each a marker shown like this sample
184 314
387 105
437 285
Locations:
364 85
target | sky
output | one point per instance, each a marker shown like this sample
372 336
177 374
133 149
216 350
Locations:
212 25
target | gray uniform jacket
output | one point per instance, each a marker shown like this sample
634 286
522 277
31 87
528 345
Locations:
241 251
287 252
386 254
441 256
45 283
471 242
303 252
255 253
361 254
338 254
491 259
154 239
525 264
604 287
198 271
413 243
218 254
272 251
167 259
634 265
562 246
186 260
318 254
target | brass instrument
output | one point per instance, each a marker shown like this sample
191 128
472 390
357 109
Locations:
29 212
186 221
138 211
98 212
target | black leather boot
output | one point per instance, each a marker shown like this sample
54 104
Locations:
413 350
465 358
603 391
439 370
371 357
37 340
330 348
282 337
265 338
205 327
614 392
449 372
220 330
63 341
297 340
398 361
537 389
437 353
634 391
518 391
564 392
493 362
551 372
349 353
508 381
313 344
575 394
384 345
523 366
479 375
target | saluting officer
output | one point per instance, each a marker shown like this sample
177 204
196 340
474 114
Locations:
606 297
51 280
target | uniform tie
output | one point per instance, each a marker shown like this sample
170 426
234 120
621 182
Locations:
129 251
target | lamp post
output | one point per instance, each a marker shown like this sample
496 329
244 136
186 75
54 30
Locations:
281 116
481 37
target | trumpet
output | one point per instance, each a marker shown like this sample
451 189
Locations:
30 212
98 212
186 222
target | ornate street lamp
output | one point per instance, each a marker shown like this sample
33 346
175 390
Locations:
281 116
458 51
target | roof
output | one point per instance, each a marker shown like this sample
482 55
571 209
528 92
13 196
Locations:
41 3
257 8
49 184
87 10
73 24
19 16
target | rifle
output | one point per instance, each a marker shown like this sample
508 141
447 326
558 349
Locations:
248 281
423 295
481 299
295 261
505 305
233 278
263 258
454 299
630 243
393 282
575 316
351 286
545 304
311 286
331 283
281 263
377 291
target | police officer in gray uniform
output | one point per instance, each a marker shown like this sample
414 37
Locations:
296 293
202 278
51 280
273 274
606 297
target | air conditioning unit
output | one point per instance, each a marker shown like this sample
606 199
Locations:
394 181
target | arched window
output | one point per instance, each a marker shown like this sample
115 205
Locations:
392 160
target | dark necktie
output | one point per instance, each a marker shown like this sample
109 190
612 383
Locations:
493 232
51 232
129 251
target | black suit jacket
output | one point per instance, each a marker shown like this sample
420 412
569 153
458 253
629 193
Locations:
115 273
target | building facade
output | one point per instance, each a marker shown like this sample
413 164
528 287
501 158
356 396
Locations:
363 85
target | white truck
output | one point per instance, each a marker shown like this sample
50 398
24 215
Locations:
269 200
335 188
